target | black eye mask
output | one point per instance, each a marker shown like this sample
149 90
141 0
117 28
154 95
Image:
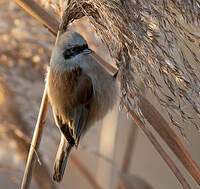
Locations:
68 53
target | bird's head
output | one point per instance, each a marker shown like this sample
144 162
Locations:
69 46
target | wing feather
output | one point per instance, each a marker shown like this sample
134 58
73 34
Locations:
80 118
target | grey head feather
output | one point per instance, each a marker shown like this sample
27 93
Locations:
68 45
70 39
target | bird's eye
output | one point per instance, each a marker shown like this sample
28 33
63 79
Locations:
67 53
75 49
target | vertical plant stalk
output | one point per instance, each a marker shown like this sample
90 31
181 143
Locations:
35 142
178 147
15 130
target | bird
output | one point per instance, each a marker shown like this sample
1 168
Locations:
80 91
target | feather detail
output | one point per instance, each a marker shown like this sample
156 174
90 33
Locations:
61 159
80 118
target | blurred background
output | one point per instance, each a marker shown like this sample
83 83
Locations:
113 154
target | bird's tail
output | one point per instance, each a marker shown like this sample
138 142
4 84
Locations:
61 159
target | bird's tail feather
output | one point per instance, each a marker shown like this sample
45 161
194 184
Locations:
61 159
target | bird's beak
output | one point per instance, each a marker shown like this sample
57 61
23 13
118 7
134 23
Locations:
87 51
